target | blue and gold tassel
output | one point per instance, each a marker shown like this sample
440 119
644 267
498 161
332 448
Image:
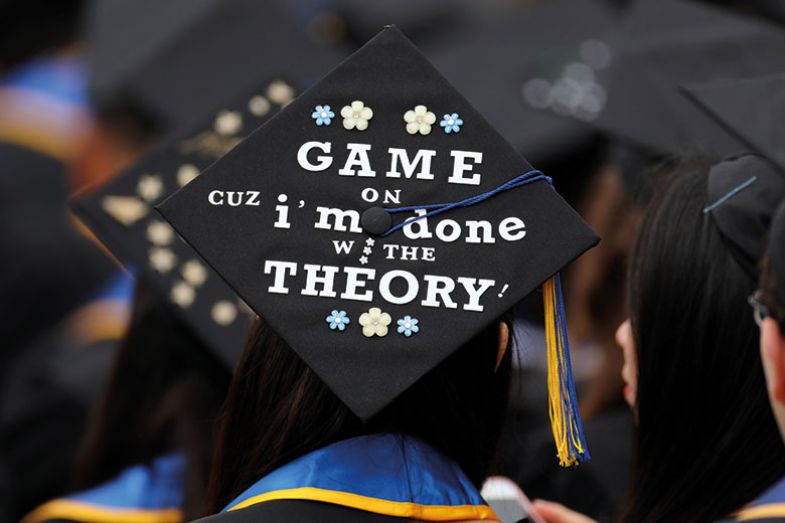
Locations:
566 423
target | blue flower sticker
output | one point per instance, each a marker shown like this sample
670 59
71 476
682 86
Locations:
323 115
338 320
408 326
452 124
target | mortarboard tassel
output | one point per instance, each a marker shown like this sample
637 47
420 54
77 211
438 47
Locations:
566 423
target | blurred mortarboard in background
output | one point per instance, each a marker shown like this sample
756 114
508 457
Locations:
745 191
177 59
752 109
522 74
772 10
372 301
666 43
121 216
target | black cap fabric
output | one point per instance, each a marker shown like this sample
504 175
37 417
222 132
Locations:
281 219
753 109
776 248
667 43
527 78
179 58
743 194
121 216
422 20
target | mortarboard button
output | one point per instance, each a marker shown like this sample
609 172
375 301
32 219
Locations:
376 221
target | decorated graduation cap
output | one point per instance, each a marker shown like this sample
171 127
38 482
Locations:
378 223
667 43
753 109
178 58
121 216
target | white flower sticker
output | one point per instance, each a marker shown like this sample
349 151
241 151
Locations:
160 233
162 260
194 273
228 123
419 120
183 294
150 187
259 106
224 313
356 116
125 209
186 173
375 322
280 92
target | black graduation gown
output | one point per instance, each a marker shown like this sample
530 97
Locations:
296 511
299 511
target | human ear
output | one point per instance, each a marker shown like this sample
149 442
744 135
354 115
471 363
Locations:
772 345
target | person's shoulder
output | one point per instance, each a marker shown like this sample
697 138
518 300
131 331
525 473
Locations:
768 508
299 511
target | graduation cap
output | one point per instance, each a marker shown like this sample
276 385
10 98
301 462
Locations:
743 194
121 216
752 109
746 189
378 223
178 58
667 43
525 77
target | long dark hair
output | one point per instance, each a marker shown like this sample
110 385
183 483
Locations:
707 443
278 409
163 395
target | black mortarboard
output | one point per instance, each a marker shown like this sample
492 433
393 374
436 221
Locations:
753 109
178 58
666 43
304 220
743 193
121 215
776 249
525 77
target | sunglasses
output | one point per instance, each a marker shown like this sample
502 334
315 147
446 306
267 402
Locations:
759 310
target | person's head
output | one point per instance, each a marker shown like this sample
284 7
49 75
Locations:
706 442
771 299
278 409
162 396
